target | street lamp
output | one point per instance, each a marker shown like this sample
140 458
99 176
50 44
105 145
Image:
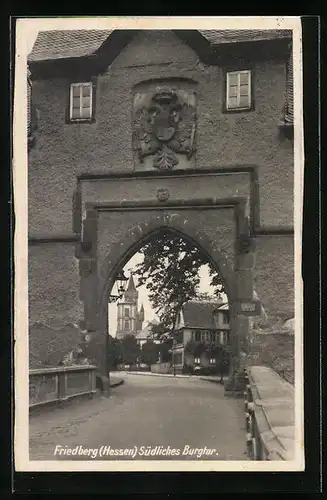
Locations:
121 283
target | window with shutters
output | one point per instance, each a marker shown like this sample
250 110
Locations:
239 90
81 103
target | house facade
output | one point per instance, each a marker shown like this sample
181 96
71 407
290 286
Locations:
201 327
138 130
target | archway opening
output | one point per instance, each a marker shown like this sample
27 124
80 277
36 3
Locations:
173 315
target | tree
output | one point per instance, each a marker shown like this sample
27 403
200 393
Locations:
196 348
165 350
149 353
130 349
170 271
157 330
115 352
221 355
207 297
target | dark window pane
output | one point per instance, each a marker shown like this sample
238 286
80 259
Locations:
232 102
86 90
244 101
233 90
244 90
76 91
75 113
86 113
86 102
244 78
233 78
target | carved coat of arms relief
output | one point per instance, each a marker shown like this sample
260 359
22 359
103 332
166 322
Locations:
164 126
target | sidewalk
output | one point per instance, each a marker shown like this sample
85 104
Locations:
210 378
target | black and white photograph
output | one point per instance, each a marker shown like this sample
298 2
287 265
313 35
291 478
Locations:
158 171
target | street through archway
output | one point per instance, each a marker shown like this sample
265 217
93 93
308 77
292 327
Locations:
186 414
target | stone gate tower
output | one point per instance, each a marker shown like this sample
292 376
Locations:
141 131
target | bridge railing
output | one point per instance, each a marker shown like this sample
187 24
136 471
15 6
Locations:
50 385
269 415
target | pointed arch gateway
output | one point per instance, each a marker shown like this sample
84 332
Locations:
118 232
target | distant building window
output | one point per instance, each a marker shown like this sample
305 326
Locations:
197 361
212 361
238 90
127 325
223 337
225 319
126 312
196 336
179 337
81 101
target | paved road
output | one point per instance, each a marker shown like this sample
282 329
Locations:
146 413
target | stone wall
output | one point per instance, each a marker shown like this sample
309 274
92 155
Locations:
161 368
54 385
273 346
274 275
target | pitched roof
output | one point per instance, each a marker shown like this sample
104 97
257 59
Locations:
57 44
224 307
199 314
71 43
143 334
234 36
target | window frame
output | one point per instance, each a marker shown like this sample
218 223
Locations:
241 69
86 82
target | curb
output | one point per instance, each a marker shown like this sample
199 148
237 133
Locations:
159 374
215 381
116 384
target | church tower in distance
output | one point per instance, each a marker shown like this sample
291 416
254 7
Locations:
129 319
